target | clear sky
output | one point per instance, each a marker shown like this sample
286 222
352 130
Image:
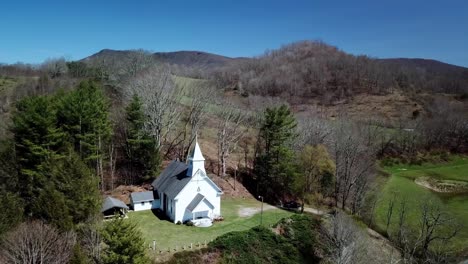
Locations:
31 31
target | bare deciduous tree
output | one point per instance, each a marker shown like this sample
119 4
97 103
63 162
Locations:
401 221
313 131
156 88
200 94
55 67
344 240
91 240
436 224
391 205
354 164
230 131
36 242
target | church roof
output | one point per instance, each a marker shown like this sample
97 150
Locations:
111 202
196 201
142 196
172 179
196 152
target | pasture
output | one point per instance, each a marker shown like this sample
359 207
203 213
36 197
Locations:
401 185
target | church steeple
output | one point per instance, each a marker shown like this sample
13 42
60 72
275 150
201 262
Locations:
196 160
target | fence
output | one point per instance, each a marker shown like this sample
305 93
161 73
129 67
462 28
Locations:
177 248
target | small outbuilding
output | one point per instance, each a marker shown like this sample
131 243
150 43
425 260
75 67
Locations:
143 200
112 206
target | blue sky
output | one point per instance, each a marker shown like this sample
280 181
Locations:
31 31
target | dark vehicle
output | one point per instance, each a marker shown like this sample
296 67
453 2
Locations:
291 205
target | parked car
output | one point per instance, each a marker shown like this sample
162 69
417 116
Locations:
291 205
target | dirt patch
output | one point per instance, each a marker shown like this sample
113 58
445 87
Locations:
231 188
122 192
442 186
394 106
250 211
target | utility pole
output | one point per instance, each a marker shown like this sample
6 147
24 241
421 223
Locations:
235 177
261 211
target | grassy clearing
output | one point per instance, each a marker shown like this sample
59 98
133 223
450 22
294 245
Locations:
168 234
402 184
455 169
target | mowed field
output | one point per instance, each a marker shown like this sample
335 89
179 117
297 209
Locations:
239 214
401 185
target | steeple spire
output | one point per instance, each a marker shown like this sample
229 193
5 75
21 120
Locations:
196 160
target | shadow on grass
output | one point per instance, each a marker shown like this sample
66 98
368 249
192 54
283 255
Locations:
160 215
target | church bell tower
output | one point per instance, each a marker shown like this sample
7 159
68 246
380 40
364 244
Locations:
196 160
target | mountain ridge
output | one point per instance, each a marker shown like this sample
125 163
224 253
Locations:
190 57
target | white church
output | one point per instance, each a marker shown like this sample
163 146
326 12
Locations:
183 192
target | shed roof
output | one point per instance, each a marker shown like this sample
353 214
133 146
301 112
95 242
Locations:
173 179
142 196
111 202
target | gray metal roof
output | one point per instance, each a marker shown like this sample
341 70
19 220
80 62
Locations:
198 198
111 202
196 201
173 179
142 196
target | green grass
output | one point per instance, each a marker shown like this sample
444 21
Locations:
168 234
402 183
455 169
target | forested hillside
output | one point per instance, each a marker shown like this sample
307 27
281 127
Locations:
316 69
307 122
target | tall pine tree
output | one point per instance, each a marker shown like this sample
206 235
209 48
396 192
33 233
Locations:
141 148
84 116
275 166
51 181
37 139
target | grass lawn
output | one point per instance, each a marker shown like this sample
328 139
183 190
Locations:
455 169
168 234
402 183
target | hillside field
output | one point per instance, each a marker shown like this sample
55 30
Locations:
402 183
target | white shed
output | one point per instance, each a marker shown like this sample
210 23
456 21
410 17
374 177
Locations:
142 200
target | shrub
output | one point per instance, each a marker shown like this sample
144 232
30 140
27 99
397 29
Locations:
178 223
257 245
299 230
188 223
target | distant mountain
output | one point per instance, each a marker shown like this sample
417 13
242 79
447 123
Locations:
192 58
209 60
429 65
182 58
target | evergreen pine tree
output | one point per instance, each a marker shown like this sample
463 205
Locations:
142 153
37 140
124 244
84 116
52 181
275 166
12 211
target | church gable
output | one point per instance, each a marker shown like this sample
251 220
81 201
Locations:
200 183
